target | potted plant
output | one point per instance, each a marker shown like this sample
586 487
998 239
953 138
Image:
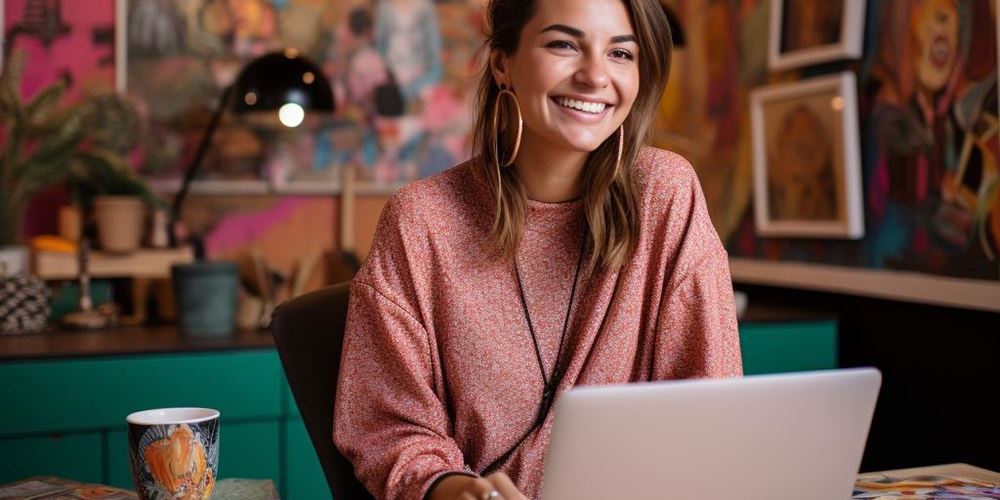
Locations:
84 144
103 184
38 141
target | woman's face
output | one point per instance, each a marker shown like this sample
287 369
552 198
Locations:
575 72
937 33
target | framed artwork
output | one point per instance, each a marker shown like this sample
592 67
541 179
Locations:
805 32
806 158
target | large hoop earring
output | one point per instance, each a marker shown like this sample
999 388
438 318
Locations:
621 148
496 132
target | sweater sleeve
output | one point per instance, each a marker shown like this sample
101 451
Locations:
390 422
697 334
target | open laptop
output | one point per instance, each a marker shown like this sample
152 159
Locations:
773 437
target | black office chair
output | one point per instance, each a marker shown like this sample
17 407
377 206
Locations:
309 334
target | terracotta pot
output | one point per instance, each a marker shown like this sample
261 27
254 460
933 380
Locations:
120 222
70 222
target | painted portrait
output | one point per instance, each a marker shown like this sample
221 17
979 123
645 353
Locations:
935 174
807 24
807 161
800 177
809 32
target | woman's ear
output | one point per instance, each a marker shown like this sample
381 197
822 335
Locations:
499 67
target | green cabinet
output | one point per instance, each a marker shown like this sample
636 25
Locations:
773 347
76 456
304 476
69 416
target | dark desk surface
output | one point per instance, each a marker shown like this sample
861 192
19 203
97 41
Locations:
166 338
122 341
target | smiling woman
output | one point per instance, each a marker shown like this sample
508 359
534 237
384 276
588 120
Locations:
565 252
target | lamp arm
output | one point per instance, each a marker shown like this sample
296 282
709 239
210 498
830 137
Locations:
192 169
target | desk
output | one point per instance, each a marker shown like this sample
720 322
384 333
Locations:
232 489
956 470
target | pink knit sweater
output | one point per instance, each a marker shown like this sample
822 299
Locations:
439 371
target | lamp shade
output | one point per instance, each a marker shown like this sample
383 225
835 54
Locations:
279 78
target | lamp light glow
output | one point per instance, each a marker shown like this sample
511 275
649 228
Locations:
291 115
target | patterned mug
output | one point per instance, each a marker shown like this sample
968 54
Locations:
174 452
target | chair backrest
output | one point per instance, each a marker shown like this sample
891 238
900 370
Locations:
309 334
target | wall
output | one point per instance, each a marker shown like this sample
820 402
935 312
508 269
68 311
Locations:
939 363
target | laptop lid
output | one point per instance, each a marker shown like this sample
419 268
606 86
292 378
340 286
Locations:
774 437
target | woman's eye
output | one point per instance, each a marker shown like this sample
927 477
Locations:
622 54
560 44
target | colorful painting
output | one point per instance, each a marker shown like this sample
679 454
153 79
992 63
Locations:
933 167
705 111
400 70
175 460
62 40
805 32
807 161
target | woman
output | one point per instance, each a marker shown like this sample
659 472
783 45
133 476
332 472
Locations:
564 253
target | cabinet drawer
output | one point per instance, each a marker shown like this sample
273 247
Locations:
100 392
71 456
788 347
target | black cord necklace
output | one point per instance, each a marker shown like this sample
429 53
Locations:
550 383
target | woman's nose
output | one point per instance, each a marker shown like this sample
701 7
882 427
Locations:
592 72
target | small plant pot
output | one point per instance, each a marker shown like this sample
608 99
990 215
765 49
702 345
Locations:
120 222
70 223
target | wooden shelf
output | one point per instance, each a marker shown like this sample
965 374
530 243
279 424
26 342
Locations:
145 263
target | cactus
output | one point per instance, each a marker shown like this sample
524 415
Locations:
44 142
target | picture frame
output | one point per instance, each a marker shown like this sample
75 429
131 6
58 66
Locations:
825 30
807 158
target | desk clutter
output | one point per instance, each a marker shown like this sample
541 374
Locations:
52 488
954 481
57 283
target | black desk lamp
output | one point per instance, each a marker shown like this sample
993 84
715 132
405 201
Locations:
284 82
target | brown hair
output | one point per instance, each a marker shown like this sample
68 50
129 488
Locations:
611 201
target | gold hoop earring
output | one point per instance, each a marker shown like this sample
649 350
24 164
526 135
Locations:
496 135
621 148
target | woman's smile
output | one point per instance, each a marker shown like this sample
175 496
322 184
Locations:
583 109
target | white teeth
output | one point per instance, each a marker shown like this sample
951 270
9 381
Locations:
585 106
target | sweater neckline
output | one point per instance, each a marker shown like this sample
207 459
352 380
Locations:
548 217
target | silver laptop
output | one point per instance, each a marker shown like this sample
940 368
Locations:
773 437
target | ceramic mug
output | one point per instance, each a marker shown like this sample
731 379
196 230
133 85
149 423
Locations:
174 452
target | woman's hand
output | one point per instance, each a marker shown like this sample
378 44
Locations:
496 486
